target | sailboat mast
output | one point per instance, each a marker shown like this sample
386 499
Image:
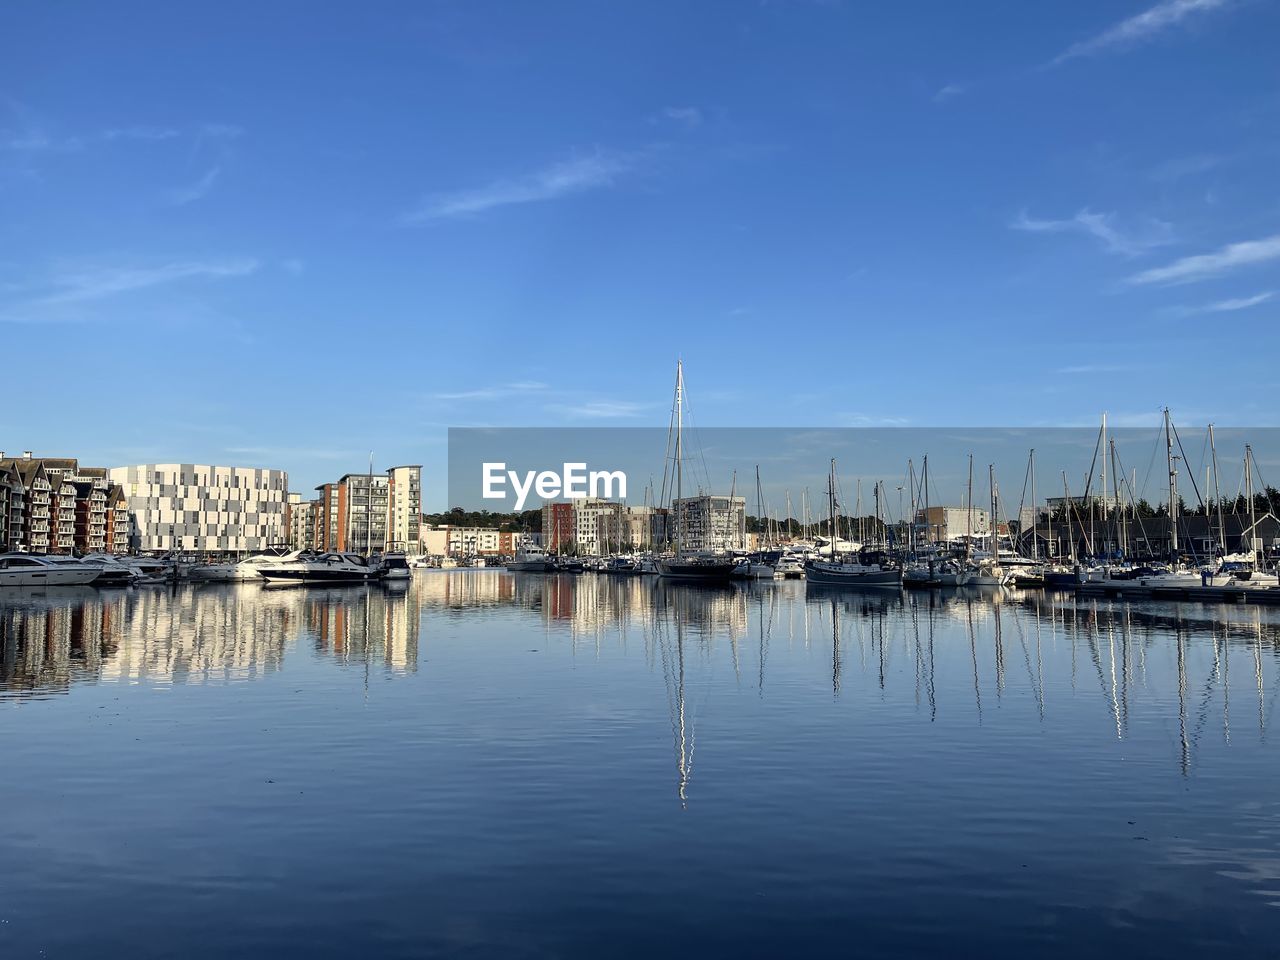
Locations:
1066 509
1103 450
679 455
1253 518
1035 510
1217 499
968 520
1173 489
831 496
995 538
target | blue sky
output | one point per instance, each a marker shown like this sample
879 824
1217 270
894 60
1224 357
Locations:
286 234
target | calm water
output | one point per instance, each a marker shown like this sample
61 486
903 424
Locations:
489 765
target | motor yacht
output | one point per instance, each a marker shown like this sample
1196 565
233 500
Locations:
395 566
37 570
531 559
325 568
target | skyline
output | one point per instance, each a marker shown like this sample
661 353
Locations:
491 215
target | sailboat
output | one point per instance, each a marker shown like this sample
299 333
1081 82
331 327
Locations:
835 572
710 569
989 572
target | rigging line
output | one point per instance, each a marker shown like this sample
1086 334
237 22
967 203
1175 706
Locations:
1088 480
1124 477
1190 473
1155 447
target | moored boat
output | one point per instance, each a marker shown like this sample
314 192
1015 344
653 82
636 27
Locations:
35 570
325 568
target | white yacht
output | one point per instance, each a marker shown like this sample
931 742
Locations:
243 571
395 566
115 570
31 570
324 568
531 559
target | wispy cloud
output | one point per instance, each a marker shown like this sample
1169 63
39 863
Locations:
949 92
1206 266
1222 306
1241 303
37 141
140 133
1175 169
599 409
56 299
1103 228
1090 368
578 175
499 391
181 196
689 116
97 283
1139 28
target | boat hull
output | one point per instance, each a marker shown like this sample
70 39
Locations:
855 579
715 572
531 566
47 577
316 576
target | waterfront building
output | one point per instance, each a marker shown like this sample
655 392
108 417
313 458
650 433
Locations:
709 523
302 522
404 507
116 528
201 508
368 512
52 505
943 524
557 526
354 513
474 542
1148 537
12 508
597 526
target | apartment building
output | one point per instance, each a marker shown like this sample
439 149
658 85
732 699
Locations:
13 498
709 523
116 531
557 526
52 505
302 522
941 524
368 512
203 508
404 507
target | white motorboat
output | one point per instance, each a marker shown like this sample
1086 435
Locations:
325 568
243 571
395 566
749 569
116 570
789 567
531 559
988 574
32 570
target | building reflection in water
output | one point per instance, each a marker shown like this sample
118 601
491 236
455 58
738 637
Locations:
51 638
961 652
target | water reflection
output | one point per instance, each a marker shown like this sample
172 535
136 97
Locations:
1045 648
1022 764
56 636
